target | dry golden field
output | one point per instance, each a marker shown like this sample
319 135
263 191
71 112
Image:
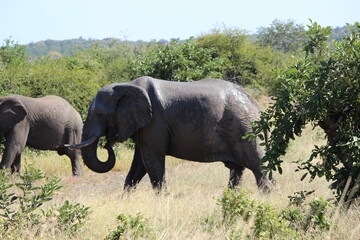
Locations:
192 195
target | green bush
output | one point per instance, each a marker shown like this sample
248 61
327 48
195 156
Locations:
176 61
244 61
131 227
265 222
65 77
240 213
21 200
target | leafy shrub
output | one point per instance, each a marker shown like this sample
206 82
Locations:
21 199
265 222
131 227
69 217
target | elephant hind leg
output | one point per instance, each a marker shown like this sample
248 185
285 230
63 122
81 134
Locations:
16 166
251 153
262 181
74 156
236 173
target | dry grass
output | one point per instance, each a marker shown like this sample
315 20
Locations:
193 190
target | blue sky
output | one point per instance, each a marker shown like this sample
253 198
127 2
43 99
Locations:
28 21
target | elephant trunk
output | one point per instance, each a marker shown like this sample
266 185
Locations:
89 154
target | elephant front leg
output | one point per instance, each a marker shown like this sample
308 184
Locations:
154 163
12 155
11 159
14 145
137 171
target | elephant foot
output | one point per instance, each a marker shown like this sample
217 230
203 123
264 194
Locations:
266 185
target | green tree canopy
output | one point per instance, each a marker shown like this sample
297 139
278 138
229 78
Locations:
176 61
245 62
285 36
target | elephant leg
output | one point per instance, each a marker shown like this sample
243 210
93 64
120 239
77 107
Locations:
254 154
262 181
154 163
236 173
137 171
74 156
16 166
14 145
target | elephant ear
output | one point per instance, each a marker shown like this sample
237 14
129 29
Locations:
133 110
12 111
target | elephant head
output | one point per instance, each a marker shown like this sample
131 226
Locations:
12 112
116 112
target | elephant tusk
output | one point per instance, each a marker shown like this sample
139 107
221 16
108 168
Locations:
82 144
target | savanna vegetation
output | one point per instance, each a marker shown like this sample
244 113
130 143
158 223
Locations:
315 87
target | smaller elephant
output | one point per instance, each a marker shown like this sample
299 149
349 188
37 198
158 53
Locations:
45 123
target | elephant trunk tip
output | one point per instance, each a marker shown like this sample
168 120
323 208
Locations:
92 162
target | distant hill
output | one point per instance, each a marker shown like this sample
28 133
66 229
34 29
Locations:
338 32
63 47
69 47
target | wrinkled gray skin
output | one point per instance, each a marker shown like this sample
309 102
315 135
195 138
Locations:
201 121
42 123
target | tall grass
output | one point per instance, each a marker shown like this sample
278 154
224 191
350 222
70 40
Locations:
189 208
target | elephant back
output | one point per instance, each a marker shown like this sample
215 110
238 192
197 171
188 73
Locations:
52 119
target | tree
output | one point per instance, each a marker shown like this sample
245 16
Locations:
285 36
228 44
176 61
244 61
322 89
12 54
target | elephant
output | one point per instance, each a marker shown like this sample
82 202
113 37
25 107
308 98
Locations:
202 121
45 123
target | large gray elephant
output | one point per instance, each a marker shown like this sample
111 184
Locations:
45 123
201 121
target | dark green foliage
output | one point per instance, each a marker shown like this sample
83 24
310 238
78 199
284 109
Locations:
323 89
